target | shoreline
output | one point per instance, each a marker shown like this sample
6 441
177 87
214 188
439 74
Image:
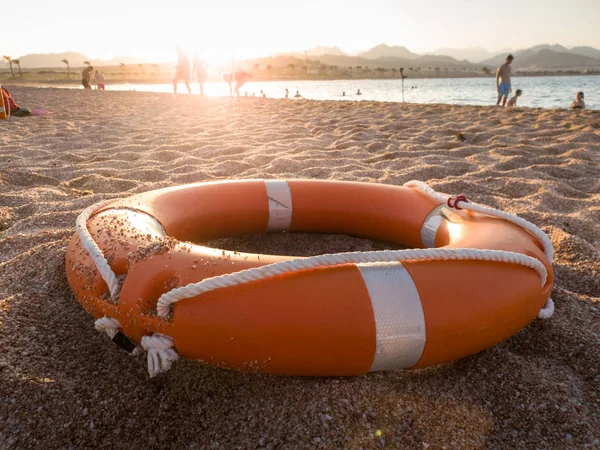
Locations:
351 99
169 80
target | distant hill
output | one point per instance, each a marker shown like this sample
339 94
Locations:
590 52
318 51
473 54
385 51
76 59
52 59
548 57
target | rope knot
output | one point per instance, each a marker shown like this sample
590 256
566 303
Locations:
452 202
161 353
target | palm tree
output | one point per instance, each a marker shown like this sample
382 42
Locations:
256 66
18 63
157 69
291 66
122 66
86 63
446 70
141 66
486 70
395 72
66 61
437 71
9 60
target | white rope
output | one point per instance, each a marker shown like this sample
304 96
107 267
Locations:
108 325
548 309
278 268
468 206
92 248
254 274
161 354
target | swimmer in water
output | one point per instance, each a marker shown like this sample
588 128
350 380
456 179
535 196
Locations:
343 93
578 103
298 95
358 92
513 101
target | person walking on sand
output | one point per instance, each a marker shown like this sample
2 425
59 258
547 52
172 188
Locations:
183 71
513 101
503 80
86 77
200 69
578 103
236 81
99 81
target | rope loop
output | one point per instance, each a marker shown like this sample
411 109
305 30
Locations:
452 201
161 353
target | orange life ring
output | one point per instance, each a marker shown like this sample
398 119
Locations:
341 319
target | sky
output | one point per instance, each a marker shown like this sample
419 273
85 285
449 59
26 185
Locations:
106 29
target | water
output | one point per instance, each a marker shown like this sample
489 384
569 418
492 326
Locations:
544 92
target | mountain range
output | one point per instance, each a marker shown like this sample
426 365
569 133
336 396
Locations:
49 60
540 57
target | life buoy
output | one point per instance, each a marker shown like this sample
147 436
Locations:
474 278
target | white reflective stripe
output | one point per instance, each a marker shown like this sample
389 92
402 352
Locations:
136 218
280 205
399 318
430 227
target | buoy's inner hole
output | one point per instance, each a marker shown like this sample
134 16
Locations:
299 244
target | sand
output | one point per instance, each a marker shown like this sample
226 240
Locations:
64 385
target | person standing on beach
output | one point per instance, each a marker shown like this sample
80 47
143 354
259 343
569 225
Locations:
86 77
503 80
200 69
236 81
183 71
99 81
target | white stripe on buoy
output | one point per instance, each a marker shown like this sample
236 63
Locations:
399 317
280 205
431 225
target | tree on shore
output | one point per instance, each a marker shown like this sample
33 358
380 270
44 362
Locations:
486 70
141 66
157 69
66 61
18 63
122 66
86 63
9 60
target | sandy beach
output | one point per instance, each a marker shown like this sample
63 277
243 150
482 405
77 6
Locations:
65 385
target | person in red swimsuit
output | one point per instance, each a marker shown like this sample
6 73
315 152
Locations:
235 84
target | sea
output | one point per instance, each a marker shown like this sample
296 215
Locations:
538 92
